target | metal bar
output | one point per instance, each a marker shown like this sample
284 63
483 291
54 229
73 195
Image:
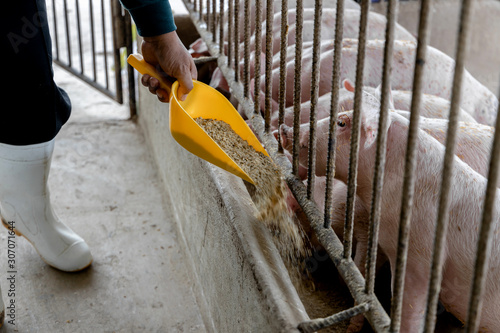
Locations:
485 236
283 69
92 39
377 316
214 20
230 32
355 131
68 39
447 180
269 64
79 32
118 32
56 38
208 18
130 71
320 323
311 165
86 79
105 51
378 173
334 110
299 20
258 49
221 25
237 39
410 163
246 50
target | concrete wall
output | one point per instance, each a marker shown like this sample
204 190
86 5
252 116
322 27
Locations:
242 284
483 61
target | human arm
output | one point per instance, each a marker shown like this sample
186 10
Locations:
161 45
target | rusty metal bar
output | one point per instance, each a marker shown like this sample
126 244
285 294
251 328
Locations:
269 63
258 48
299 20
447 180
283 68
214 20
246 50
230 32
221 25
378 173
207 15
334 110
320 323
377 316
355 131
311 164
236 39
485 236
410 163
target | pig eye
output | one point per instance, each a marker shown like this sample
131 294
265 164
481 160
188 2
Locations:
341 123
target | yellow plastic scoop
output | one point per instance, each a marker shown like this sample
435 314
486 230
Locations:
205 102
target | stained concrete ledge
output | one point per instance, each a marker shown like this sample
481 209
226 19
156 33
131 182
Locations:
242 283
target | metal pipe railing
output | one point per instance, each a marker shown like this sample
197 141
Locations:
229 61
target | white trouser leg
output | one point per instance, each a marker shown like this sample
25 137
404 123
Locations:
25 200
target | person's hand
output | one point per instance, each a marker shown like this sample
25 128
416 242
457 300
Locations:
167 51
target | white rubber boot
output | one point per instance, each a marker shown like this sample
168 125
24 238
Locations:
25 200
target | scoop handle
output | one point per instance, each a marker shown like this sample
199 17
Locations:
138 62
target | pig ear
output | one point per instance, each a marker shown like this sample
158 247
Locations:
348 85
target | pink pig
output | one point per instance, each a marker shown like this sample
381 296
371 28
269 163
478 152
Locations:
465 214
477 101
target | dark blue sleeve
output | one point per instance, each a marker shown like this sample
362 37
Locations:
152 17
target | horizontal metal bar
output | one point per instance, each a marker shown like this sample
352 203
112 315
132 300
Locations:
87 80
320 323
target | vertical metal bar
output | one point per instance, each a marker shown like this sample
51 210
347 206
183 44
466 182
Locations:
214 19
283 67
355 131
221 26
311 171
246 50
230 33
68 39
258 50
299 20
118 32
201 11
79 31
236 40
56 38
410 159
269 63
105 53
334 109
208 17
378 173
92 40
485 236
447 181
130 71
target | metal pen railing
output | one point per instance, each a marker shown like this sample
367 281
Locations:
225 43
97 20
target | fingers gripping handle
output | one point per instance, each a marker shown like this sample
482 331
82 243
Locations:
138 62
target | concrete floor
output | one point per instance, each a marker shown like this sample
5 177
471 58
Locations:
105 186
